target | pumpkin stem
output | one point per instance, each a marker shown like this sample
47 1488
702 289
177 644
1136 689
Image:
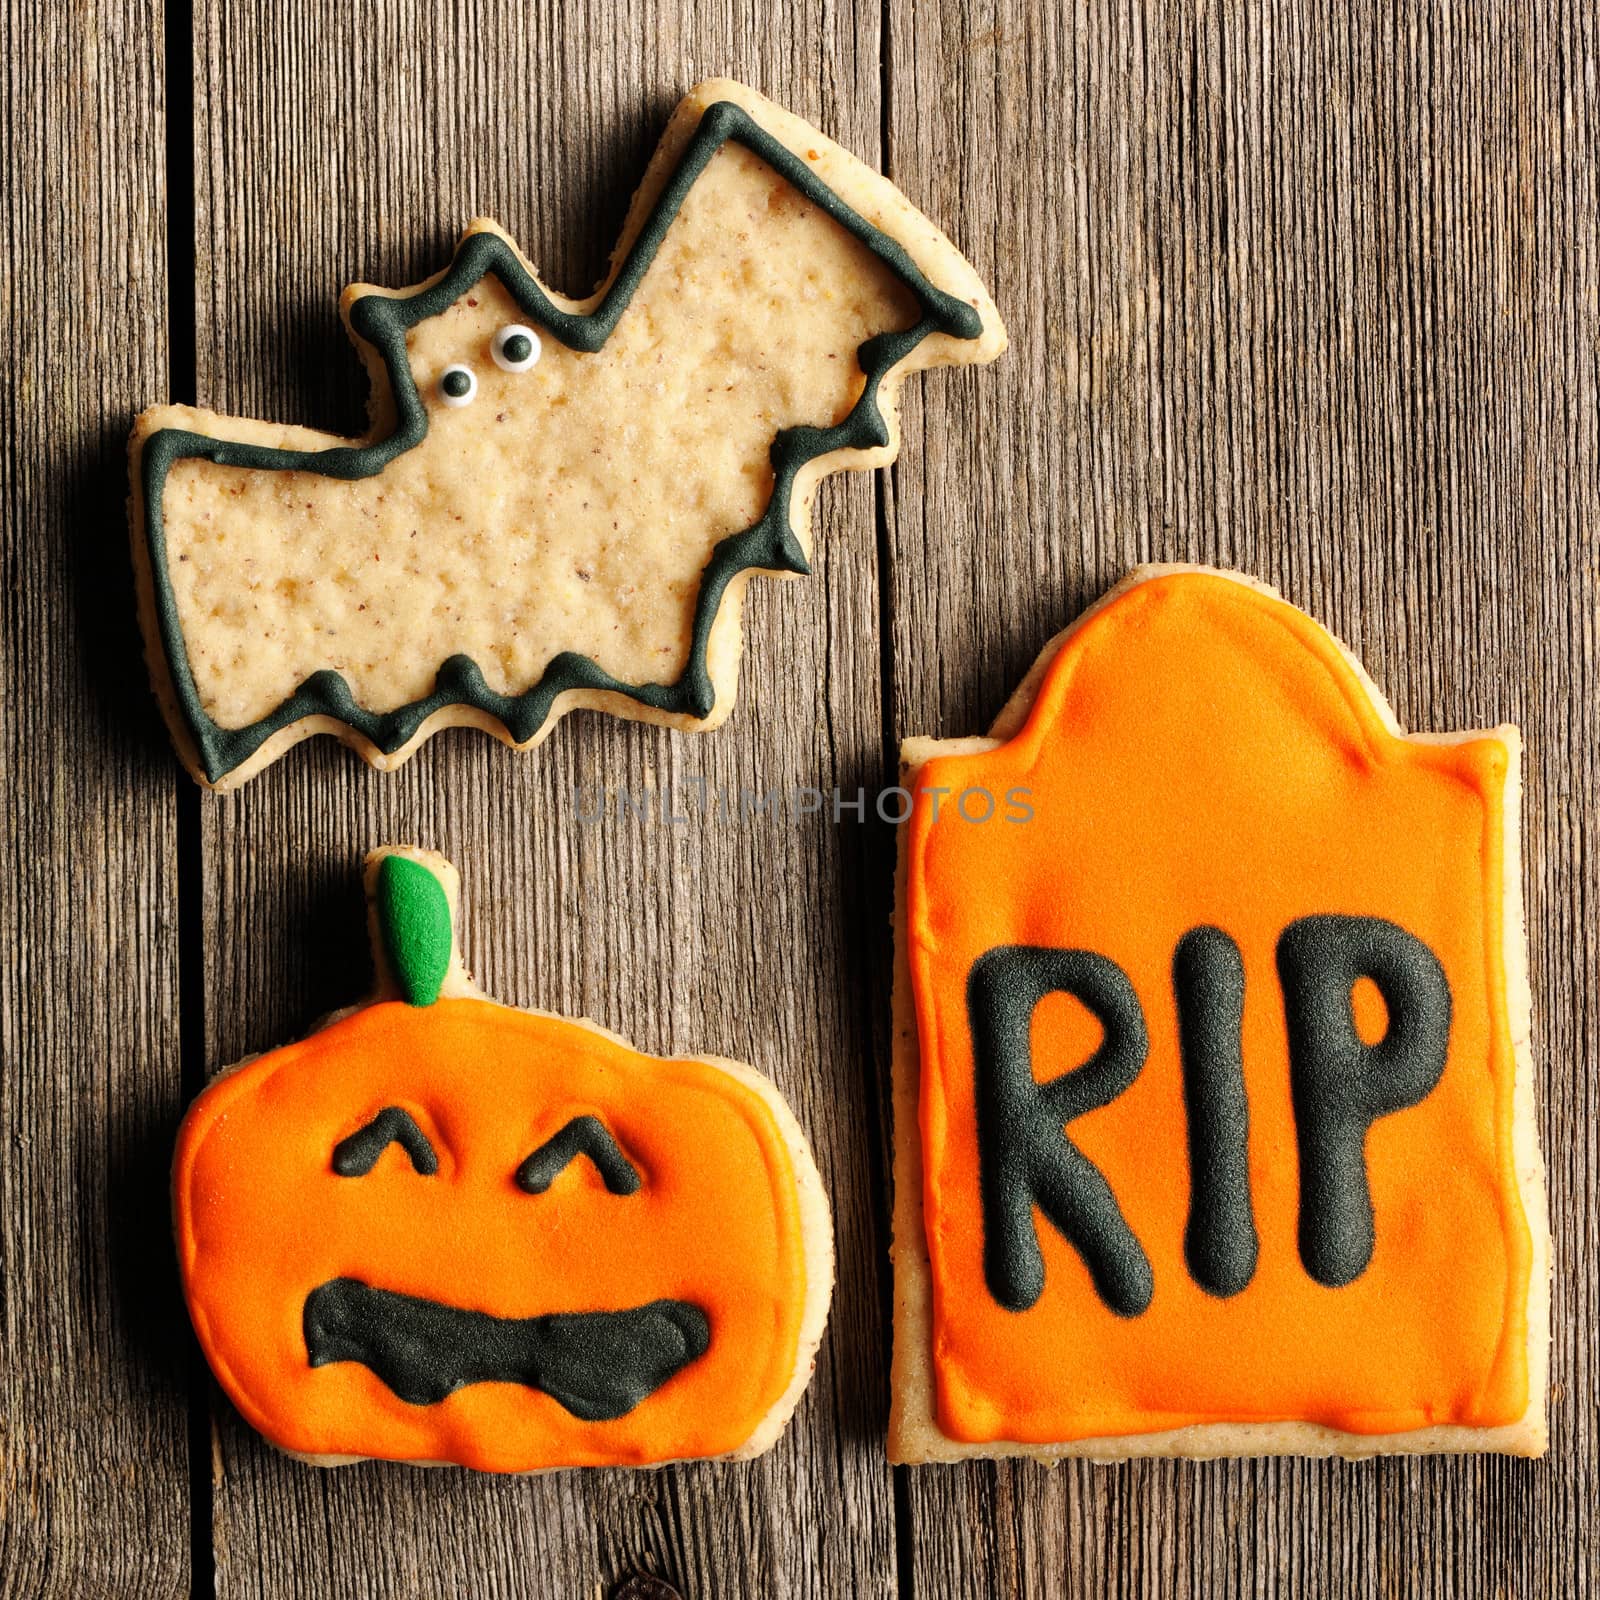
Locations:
414 924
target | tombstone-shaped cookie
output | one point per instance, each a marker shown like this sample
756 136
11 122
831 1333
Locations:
1214 1124
558 502
444 1230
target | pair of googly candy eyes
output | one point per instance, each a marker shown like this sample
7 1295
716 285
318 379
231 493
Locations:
515 348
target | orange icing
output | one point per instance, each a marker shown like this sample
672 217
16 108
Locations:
262 1220
1200 752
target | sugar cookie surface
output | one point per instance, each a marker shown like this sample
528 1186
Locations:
568 520
569 507
440 1229
1166 1181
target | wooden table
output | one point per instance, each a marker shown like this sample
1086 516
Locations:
1314 293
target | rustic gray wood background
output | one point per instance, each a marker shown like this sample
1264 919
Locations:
1305 289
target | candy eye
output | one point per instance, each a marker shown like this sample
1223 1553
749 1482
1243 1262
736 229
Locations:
458 386
515 348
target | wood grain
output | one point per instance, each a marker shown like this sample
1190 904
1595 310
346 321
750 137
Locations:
354 143
93 1468
1313 294
1307 290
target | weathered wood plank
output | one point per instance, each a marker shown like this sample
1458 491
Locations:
354 142
1311 293
93 1463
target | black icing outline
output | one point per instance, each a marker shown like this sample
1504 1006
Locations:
382 320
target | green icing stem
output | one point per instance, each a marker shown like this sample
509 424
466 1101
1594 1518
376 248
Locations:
382 320
414 924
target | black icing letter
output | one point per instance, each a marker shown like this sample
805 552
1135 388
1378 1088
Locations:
1342 1086
1024 1156
1220 1241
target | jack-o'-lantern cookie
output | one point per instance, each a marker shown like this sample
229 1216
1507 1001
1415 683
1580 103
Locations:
558 502
444 1230
1214 1126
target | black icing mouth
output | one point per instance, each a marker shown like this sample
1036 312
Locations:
597 1364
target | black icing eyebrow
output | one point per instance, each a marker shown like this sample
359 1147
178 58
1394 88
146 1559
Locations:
356 1156
582 1136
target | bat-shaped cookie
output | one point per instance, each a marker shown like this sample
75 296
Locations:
558 503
